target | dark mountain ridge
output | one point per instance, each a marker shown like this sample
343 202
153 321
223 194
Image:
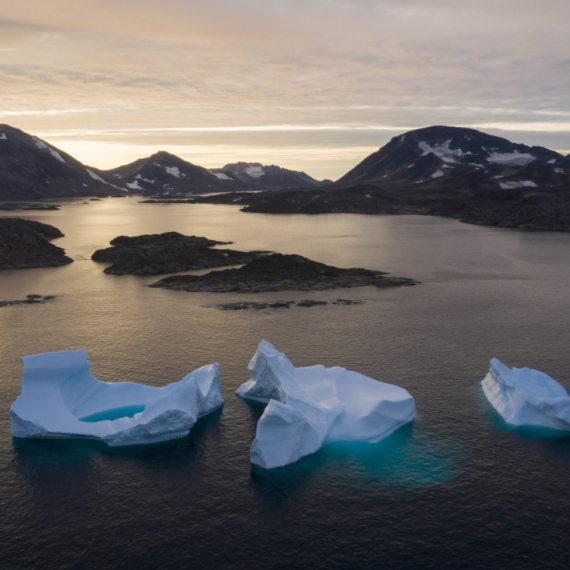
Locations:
444 171
32 169
256 176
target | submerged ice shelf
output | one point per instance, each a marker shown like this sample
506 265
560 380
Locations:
309 407
61 399
526 397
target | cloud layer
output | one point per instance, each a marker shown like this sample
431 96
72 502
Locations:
280 81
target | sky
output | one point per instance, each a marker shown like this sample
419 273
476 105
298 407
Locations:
313 85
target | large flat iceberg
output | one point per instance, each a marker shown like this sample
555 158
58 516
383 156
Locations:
61 399
309 407
526 397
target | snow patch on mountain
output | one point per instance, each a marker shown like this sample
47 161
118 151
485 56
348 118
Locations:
43 146
437 174
134 185
99 179
221 175
254 171
442 151
173 170
95 177
3 137
518 184
511 158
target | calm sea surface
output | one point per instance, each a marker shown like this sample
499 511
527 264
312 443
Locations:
455 489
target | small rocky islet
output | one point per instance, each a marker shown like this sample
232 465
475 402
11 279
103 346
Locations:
25 244
29 300
264 305
279 272
170 252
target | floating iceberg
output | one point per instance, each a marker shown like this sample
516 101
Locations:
61 399
311 406
526 397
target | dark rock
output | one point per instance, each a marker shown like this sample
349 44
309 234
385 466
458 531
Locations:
279 272
167 253
26 244
253 305
310 303
348 302
29 300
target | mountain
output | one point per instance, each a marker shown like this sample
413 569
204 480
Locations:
453 156
256 176
440 171
166 174
31 169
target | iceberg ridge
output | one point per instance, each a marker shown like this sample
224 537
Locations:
527 397
59 395
309 407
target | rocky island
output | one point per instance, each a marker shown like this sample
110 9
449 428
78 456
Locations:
170 252
25 244
278 272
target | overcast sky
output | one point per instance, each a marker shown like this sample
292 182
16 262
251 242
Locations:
314 85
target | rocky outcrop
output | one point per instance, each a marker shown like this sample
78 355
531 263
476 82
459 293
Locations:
25 244
279 272
170 252
29 300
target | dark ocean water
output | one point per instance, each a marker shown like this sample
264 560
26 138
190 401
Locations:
454 489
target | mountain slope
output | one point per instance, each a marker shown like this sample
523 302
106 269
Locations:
440 171
167 174
31 169
256 176
453 156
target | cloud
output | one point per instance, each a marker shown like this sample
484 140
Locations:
325 66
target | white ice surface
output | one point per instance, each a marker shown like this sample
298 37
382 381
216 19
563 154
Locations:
99 179
442 151
526 397
309 407
42 145
58 390
254 171
221 175
511 159
173 170
517 184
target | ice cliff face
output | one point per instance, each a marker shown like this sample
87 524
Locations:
526 397
59 393
309 407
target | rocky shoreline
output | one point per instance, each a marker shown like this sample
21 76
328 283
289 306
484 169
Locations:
278 272
25 244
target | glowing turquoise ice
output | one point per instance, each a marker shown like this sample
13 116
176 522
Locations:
114 414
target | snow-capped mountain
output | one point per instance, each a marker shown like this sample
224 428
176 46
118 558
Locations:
30 169
448 156
256 176
166 174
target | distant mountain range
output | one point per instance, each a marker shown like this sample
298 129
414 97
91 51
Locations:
444 171
447 171
30 169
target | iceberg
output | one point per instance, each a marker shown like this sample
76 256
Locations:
526 397
61 399
309 407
